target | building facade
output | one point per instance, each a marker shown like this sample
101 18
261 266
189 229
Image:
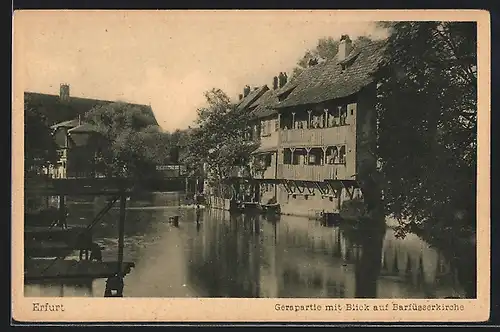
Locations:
317 132
80 146
80 150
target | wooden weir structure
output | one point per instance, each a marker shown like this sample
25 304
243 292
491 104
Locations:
58 240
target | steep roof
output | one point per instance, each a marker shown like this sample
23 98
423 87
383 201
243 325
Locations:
83 128
252 97
57 111
66 124
264 106
327 81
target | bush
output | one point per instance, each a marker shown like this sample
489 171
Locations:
353 209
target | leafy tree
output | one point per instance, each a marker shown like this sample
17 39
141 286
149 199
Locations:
220 141
427 113
39 147
137 144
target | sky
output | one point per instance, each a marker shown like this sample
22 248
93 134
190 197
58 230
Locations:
168 59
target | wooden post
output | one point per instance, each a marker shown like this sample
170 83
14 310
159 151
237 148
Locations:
309 119
293 120
324 148
326 118
121 232
62 211
308 150
339 198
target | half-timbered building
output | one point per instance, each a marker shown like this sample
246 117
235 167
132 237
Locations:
317 132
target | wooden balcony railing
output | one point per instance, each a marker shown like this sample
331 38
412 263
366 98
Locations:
314 172
267 173
314 137
270 141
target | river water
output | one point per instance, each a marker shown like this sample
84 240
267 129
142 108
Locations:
249 256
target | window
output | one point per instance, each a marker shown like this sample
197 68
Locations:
342 154
287 157
267 160
343 114
332 158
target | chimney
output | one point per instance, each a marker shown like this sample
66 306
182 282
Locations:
246 90
240 96
345 47
312 62
64 92
275 82
282 79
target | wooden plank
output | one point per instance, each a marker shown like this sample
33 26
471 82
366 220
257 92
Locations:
79 186
54 248
55 233
77 191
51 249
46 269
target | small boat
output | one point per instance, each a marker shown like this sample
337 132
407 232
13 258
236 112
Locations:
271 208
193 206
249 205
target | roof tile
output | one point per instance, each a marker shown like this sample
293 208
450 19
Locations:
327 80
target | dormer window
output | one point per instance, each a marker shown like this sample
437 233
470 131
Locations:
285 94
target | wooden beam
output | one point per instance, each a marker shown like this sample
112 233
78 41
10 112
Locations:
62 211
297 186
121 232
330 184
287 187
348 185
350 192
320 189
38 269
71 192
309 190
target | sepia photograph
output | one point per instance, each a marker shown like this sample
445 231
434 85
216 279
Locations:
316 159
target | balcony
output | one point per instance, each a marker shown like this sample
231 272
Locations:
315 172
267 173
314 137
269 141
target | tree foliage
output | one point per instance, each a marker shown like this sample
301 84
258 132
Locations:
427 113
39 147
136 143
220 140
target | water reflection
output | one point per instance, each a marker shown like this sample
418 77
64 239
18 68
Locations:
226 255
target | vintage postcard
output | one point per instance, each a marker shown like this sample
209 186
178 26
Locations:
251 166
